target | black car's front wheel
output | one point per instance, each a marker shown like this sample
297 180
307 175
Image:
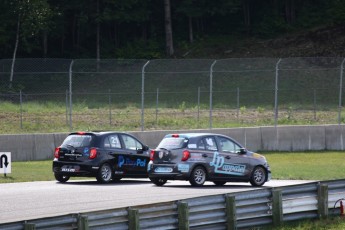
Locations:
198 176
61 178
258 177
158 181
104 174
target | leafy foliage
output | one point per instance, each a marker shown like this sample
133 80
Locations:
71 31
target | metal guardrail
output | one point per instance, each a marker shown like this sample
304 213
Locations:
266 206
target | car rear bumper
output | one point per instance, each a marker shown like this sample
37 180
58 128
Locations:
167 171
73 169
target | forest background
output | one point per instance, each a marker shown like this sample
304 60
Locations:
152 29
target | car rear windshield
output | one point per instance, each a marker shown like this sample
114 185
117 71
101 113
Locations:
77 140
172 143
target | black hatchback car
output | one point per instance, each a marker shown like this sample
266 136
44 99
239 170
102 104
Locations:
200 157
104 155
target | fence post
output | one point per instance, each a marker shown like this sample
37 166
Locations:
29 226
66 107
238 102
276 94
340 90
133 219
198 106
109 99
211 92
183 216
83 222
157 101
143 94
314 94
322 201
277 207
70 95
21 108
231 216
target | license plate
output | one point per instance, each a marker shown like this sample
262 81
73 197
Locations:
66 168
163 170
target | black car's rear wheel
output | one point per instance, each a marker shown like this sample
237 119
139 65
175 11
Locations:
61 178
258 177
198 176
158 181
105 173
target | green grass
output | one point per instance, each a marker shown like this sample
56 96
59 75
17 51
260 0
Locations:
35 117
332 223
307 165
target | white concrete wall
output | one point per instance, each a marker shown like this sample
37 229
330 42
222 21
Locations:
29 147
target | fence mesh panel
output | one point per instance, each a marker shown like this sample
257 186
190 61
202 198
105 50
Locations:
49 95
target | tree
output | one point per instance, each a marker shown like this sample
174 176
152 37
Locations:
168 29
31 18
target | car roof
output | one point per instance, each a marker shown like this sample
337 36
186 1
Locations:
96 133
189 135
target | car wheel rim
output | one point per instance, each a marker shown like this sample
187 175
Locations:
199 176
106 173
259 175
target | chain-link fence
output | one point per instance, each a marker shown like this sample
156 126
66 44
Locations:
52 95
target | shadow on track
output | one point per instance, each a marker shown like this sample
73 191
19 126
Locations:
113 183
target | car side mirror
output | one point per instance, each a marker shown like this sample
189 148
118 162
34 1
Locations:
145 148
142 150
242 151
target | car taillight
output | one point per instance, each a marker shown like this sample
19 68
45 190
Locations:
152 153
81 133
93 153
185 155
175 135
56 152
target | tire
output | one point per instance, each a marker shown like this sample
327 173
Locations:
219 183
259 176
198 176
158 181
104 174
61 178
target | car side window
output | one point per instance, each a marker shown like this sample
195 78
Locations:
112 141
131 143
227 145
201 144
210 143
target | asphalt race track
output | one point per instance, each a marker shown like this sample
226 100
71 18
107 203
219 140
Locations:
33 200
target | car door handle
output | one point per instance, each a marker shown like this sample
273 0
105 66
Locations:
204 155
228 157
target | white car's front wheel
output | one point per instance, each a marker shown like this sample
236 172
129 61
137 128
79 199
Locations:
259 176
198 176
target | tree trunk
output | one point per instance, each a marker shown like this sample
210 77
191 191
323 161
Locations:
290 11
45 43
168 29
15 52
98 55
246 12
191 39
